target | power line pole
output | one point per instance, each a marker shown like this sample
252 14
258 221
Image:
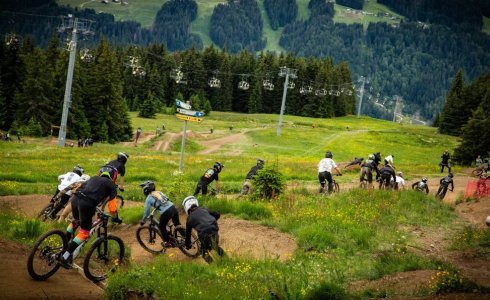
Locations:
73 25
284 72
397 111
363 81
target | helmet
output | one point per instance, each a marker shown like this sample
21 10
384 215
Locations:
189 202
328 154
450 174
260 162
84 178
218 166
400 173
424 179
122 157
371 156
148 187
78 170
109 172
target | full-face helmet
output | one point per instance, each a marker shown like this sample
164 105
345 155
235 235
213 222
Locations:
328 154
260 162
109 172
189 202
148 187
218 166
78 170
424 179
450 175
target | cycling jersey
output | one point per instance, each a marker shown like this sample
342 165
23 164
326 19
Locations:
205 223
326 165
252 172
120 166
66 180
209 176
156 198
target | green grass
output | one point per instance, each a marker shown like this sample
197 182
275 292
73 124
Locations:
141 11
486 25
372 8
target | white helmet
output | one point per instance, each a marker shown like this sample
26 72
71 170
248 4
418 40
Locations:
371 156
84 178
188 202
487 220
400 173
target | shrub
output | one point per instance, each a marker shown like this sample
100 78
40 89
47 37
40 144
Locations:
268 183
450 281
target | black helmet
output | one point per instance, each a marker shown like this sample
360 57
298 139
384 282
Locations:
148 187
260 162
450 175
122 157
78 170
218 166
328 154
424 179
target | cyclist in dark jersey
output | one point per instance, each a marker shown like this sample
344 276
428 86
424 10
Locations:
120 165
96 190
248 179
386 173
208 177
205 222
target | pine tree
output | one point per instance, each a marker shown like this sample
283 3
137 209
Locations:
452 119
149 107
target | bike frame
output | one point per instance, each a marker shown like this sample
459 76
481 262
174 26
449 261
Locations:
96 226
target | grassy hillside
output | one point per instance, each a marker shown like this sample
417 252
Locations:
144 11
341 239
33 167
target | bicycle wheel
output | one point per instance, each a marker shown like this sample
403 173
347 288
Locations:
336 187
43 259
150 239
179 235
477 172
104 257
43 214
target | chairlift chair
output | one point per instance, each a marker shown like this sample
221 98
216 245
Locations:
243 85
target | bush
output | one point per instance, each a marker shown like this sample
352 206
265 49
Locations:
328 291
268 183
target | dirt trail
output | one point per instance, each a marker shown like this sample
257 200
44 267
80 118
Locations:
237 237
215 144
166 140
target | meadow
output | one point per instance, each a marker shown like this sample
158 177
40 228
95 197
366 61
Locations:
341 238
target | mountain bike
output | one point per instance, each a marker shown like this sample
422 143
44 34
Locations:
482 187
479 170
441 192
150 238
383 184
104 256
335 186
420 186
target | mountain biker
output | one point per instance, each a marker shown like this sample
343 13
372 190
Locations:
386 173
478 161
208 177
204 221
445 161
325 167
367 170
389 160
69 189
400 181
356 161
164 206
444 184
98 189
248 179
65 180
421 185
120 165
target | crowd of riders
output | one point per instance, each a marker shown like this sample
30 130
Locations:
86 193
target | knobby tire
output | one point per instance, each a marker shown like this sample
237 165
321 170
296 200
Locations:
179 235
46 249
42 214
150 239
104 257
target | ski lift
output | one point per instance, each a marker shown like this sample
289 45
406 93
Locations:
136 68
243 85
13 40
86 56
349 92
321 92
139 71
268 85
336 93
291 85
330 92
214 82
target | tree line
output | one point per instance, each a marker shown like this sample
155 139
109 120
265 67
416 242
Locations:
465 114
414 60
108 86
